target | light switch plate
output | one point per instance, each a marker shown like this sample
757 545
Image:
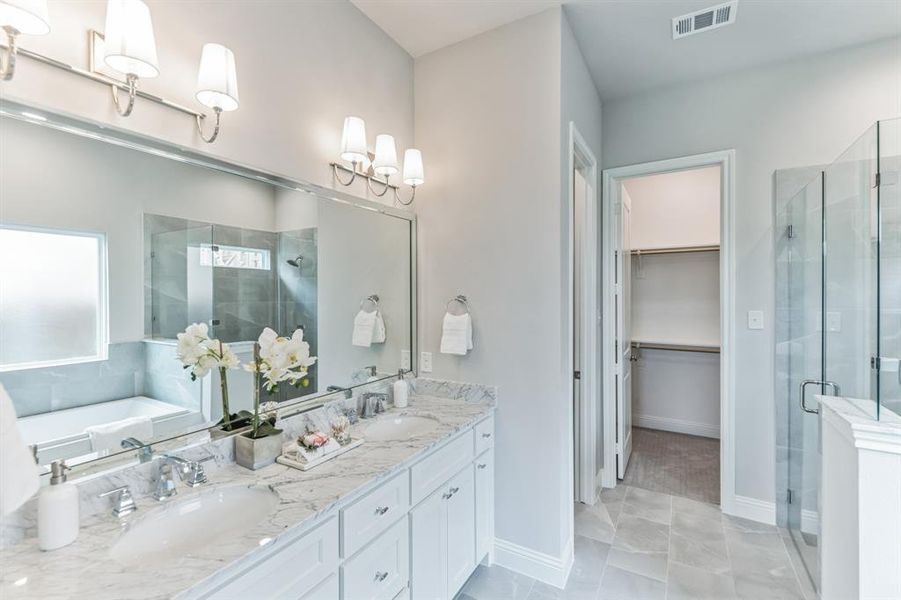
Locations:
425 362
405 358
755 319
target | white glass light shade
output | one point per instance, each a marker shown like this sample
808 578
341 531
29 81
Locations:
413 171
217 79
385 162
353 140
25 16
130 47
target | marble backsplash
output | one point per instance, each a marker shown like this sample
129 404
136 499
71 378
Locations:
216 453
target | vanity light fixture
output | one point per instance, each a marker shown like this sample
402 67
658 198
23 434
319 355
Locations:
217 85
381 165
20 17
130 47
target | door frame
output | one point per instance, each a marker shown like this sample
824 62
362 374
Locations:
584 421
612 178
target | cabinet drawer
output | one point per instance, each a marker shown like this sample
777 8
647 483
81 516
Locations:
381 569
372 514
441 465
484 435
327 590
289 572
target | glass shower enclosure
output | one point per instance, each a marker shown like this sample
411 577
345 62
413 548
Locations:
838 309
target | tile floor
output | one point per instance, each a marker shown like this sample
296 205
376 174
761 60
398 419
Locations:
653 545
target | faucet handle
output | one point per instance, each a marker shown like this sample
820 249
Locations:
125 502
196 475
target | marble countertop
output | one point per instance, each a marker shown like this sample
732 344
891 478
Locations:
85 568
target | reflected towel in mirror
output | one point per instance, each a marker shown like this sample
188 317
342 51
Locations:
456 334
19 478
369 328
109 436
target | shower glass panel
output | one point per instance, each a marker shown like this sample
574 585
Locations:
851 271
889 337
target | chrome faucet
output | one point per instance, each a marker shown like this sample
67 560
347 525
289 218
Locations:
124 501
373 404
145 453
189 471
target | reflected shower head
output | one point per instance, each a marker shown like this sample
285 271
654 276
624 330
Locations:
296 261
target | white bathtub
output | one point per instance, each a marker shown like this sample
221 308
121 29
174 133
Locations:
61 434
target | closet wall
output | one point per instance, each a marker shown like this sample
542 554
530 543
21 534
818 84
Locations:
675 301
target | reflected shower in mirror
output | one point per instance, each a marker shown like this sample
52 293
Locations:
108 252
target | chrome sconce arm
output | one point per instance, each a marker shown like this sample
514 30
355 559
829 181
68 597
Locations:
131 82
8 66
215 133
408 202
353 172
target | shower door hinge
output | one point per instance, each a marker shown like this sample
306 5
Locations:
875 363
215 322
619 448
789 495
878 180
790 231
577 375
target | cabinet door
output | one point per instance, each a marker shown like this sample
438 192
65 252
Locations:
484 473
461 530
428 546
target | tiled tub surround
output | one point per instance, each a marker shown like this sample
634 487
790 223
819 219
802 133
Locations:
86 570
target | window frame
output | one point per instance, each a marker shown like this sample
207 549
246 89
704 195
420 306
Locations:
102 331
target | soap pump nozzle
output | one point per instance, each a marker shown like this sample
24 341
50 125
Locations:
58 470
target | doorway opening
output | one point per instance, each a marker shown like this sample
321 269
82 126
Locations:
667 282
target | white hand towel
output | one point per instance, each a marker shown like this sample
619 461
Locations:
109 436
378 331
19 478
364 329
456 334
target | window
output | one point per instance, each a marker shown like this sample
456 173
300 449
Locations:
52 297
236 257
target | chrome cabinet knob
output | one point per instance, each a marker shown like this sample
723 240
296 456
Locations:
486 435
381 510
381 575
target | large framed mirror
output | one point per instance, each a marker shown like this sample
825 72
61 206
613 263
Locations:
112 244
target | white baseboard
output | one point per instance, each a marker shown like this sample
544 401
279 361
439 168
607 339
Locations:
552 570
810 521
677 425
754 509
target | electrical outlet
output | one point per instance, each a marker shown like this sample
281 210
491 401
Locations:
755 319
425 362
405 358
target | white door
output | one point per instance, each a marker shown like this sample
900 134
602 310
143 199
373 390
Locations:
428 523
484 503
624 334
461 530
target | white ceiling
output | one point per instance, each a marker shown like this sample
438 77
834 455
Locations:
628 44
421 26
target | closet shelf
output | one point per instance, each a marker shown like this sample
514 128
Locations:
676 346
678 250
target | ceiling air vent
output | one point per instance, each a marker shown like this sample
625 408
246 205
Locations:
705 20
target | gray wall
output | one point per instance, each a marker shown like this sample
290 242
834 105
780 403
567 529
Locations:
792 114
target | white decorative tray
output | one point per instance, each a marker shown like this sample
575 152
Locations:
306 466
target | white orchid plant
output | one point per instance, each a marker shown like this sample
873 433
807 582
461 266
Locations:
277 360
201 354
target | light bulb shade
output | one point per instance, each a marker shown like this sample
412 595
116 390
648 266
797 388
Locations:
217 79
385 162
129 46
353 140
25 16
413 172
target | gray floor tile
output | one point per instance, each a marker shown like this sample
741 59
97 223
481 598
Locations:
618 584
594 522
649 564
708 554
688 583
746 525
797 563
495 582
574 590
754 586
589 559
641 535
647 504
698 527
694 508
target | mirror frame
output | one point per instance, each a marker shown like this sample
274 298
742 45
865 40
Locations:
111 134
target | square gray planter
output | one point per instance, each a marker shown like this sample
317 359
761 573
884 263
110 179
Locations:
257 453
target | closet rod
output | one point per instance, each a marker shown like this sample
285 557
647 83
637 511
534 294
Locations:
675 347
639 252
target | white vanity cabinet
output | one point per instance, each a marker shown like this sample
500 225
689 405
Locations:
417 535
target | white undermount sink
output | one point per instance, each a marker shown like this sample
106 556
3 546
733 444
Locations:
398 428
183 525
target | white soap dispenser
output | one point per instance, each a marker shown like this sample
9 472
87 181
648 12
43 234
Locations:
401 391
58 518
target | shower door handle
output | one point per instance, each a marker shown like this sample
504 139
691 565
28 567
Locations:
835 389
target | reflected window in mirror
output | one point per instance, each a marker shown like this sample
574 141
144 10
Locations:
52 297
